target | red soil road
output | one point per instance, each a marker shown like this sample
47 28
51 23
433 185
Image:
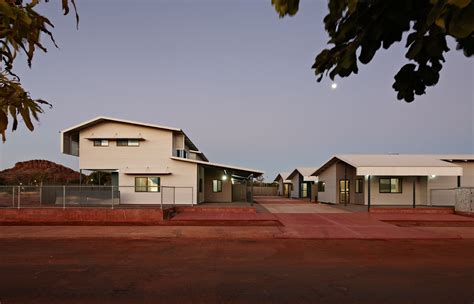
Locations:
237 271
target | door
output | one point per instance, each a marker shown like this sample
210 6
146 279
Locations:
286 190
304 190
344 191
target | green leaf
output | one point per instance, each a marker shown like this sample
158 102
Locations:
352 5
285 7
414 49
460 3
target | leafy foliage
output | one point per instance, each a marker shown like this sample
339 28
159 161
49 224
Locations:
286 7
21 28
358 28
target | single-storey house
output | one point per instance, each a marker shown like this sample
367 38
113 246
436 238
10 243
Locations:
153 164
393 179
284 184
302 182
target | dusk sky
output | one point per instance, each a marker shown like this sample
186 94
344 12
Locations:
238 80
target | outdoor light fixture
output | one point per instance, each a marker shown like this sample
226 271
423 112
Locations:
224 177
433 176
334 86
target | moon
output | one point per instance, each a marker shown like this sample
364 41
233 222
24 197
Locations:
334 86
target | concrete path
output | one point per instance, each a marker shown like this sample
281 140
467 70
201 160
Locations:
301 208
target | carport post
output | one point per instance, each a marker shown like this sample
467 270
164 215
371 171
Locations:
251 189
414 191
161 190
19 194
368 194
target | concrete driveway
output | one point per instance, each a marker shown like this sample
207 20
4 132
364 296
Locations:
302 208
288 205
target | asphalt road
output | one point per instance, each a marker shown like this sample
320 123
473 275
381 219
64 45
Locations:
233 271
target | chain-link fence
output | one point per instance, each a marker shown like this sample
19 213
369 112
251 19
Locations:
92 196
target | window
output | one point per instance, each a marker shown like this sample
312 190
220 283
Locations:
147 184
390 185
344 189
101 142
200 185
217 185
359 185
304 190
182 153
128 142
321 186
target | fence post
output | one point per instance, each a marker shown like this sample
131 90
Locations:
13 197
161 201
112 197
19 194
41 195
192 196
64 197
174 196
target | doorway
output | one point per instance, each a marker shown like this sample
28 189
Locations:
344 191
286 190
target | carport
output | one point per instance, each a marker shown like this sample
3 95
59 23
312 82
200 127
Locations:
224 184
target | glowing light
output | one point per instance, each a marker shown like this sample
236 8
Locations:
334 86
224 177
433 176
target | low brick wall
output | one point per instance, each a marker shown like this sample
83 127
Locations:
418 210
67 216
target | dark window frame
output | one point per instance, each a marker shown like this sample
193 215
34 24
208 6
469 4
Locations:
400 183
321 186
359 185
200 185
147 186
120 143
98 143
218 186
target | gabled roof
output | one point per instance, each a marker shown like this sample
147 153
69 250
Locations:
282 175
306 172
399 164
100 119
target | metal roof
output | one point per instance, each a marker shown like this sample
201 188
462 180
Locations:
306 172
247 170
399 164
282 175
99 119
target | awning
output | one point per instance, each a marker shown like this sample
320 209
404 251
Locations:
232 169
409 171
146 171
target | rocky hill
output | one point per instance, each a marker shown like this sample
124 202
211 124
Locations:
38 171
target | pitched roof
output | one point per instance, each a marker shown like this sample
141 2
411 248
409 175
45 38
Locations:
399 164
306 172
100 119
282 175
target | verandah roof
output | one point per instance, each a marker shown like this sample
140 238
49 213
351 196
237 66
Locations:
396 165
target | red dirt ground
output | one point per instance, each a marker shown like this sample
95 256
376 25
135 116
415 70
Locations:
236 271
